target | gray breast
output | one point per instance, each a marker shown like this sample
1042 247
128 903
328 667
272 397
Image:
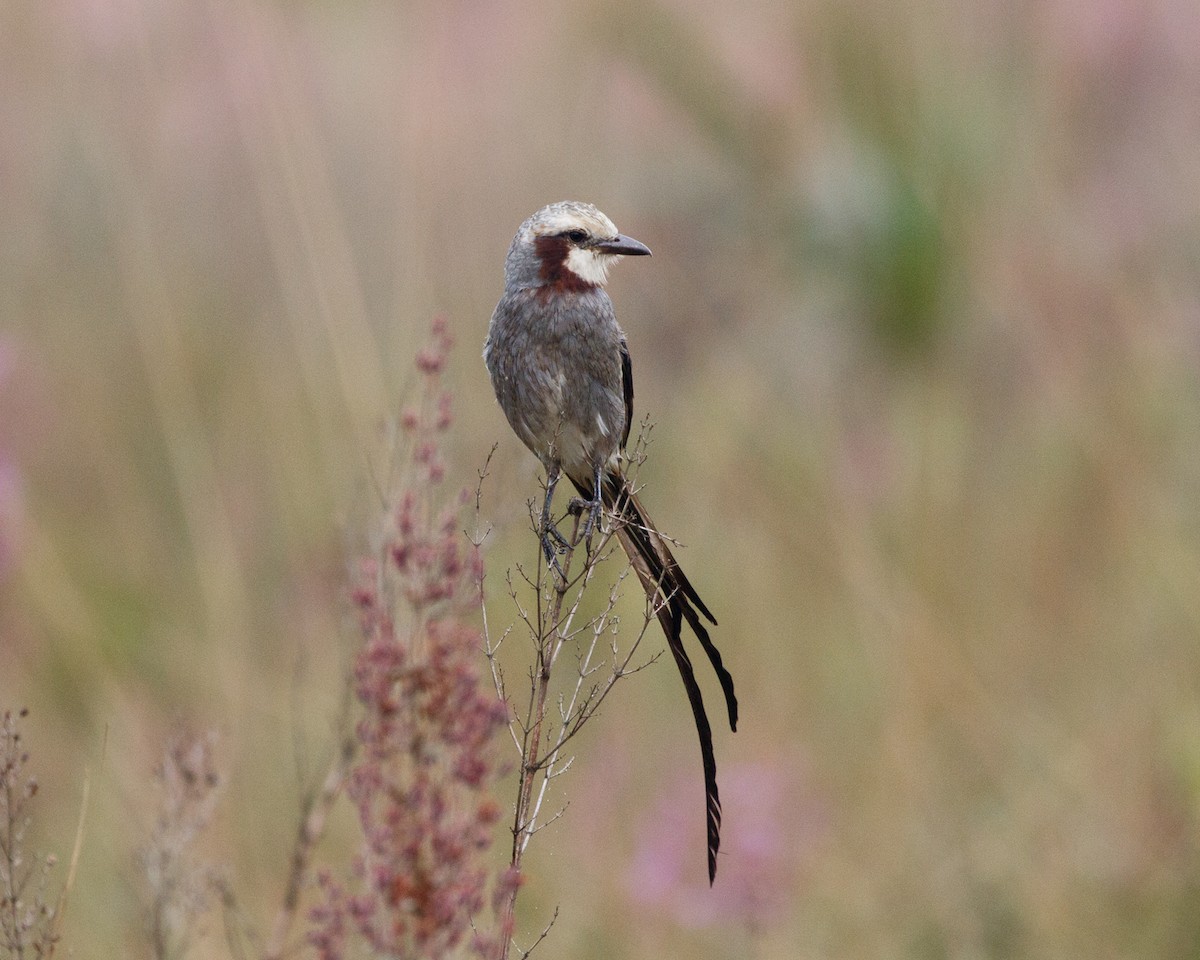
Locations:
556 368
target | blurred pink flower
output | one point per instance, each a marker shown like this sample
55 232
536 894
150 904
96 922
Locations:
771 826
421 784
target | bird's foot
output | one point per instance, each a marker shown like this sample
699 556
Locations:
578 506
554 543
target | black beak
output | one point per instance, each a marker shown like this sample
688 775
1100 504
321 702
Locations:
623 246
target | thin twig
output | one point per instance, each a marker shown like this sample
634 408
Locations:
314 812
553 622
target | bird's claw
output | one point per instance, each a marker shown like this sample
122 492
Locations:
554 543
578 506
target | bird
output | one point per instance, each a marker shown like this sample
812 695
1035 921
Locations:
560 366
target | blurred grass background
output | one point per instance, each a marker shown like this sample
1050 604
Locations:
921 336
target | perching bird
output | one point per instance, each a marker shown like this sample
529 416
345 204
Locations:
560 367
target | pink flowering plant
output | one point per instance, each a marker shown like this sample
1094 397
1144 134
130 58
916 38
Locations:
419 756
422 883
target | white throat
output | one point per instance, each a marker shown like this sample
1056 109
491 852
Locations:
589 265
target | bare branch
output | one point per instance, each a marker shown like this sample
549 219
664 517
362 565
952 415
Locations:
27 927
554 620
525 954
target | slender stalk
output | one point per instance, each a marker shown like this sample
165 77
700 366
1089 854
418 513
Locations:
542 738
539 740
549 642
314 813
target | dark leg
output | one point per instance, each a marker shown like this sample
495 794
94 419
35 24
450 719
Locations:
553 542
593 508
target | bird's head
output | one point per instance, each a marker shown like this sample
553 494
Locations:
568 246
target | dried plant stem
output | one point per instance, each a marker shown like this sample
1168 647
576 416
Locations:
27 926
553 621
314 813
61 910
549 643
539 736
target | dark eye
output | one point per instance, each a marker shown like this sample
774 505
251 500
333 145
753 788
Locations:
577 236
